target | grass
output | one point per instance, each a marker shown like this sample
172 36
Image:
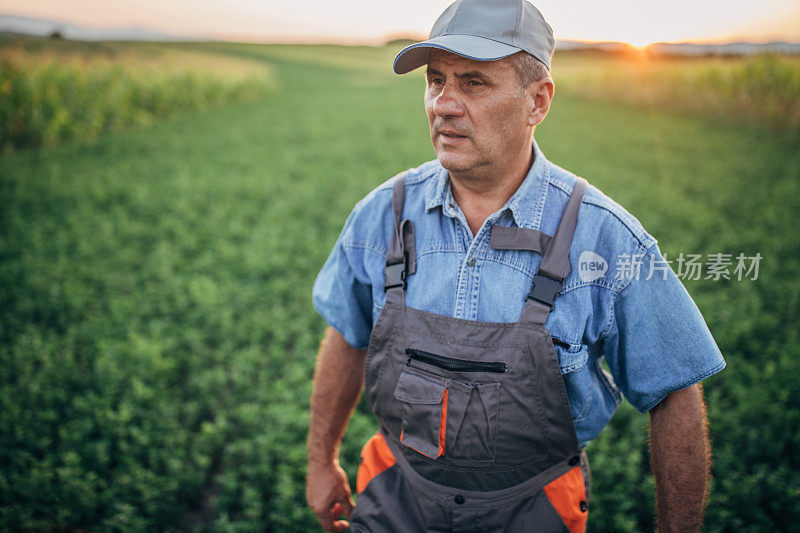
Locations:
157 338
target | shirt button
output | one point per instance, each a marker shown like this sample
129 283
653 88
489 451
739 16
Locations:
584 506
471 262
459 499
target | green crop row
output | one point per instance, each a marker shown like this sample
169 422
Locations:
762 89
44 103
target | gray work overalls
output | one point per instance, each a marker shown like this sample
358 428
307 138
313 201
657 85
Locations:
476 432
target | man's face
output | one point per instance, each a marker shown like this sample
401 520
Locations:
477 111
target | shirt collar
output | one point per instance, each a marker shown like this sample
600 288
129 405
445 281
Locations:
525 204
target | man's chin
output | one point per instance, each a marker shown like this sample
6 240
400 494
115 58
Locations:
454 162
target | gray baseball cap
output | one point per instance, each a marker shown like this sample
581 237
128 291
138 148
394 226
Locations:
484 30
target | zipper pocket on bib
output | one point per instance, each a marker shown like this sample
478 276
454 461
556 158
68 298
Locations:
455 365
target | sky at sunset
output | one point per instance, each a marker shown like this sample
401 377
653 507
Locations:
370 21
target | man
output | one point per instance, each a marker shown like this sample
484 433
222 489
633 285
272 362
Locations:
483 286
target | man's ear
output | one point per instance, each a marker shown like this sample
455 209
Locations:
541 93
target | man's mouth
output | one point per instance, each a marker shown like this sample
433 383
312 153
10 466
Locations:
451 135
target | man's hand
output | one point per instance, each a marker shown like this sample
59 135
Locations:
328 495
338 378
681 460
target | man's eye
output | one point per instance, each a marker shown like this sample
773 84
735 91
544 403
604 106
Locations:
475 83
436 81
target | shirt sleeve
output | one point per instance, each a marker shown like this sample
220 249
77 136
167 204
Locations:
340 297
658 341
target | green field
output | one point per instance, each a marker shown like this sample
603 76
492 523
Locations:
157 338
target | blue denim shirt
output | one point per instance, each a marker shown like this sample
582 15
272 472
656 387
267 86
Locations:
650 331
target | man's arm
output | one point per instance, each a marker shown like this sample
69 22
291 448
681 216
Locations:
338 378
681 459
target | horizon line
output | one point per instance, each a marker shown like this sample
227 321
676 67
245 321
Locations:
328 39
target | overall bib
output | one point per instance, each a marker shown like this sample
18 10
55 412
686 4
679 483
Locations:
476 432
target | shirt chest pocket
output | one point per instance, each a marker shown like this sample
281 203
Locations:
570 357
577 379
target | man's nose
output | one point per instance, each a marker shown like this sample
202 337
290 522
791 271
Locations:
448 102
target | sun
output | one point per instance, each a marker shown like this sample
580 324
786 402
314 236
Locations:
641 44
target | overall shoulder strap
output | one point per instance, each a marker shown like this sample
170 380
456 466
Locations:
400 257
506 238
555 264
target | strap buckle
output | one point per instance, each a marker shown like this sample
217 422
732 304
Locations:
544 290
396 275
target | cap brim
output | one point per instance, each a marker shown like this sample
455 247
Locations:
469 46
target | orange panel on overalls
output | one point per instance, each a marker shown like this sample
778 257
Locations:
476 429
